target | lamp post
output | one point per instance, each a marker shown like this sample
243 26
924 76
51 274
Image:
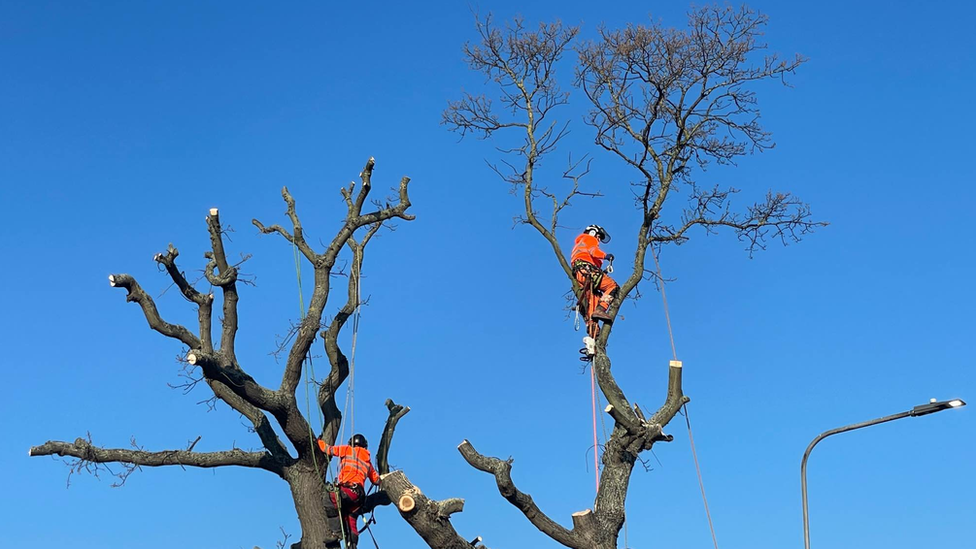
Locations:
920 410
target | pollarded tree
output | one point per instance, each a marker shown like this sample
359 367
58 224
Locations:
297 459
665 102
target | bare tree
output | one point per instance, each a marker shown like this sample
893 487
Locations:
297 459
665 102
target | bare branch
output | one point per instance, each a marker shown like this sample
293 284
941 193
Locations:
138 295
226 279
521 63
662 98
204 302
383 451
502 471
781 216
85 451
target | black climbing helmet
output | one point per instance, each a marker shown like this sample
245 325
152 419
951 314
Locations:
601 233
359 440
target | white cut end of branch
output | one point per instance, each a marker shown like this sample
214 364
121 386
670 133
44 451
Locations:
30 451
608 408
406 503
191 358
582 513
111 280
213 212
675 363
157 256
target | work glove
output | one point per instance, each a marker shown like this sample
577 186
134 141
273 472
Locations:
609 258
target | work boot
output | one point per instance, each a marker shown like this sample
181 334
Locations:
601 313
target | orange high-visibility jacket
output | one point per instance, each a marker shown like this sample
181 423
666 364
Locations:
355 465
587 248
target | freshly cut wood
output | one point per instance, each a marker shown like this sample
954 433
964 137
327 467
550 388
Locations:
406 503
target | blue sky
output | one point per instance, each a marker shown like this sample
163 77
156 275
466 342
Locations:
123 123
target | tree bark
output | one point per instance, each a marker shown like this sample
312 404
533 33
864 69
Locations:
429 518
308 492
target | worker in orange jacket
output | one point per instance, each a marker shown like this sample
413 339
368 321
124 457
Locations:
354 468
587 262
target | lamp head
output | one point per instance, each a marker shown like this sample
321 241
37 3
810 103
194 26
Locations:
936 406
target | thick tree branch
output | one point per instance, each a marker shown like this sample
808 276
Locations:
673 402
226 279
502 471
138 295
85 451
386 440
204 302
429 518
221 379
236 380
259 420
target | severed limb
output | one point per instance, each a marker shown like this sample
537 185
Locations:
429 518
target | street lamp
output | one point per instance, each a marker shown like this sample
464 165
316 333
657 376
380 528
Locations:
920 410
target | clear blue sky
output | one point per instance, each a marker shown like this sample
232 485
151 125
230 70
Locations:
122 123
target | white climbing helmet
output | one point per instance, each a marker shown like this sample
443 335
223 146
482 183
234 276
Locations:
601 233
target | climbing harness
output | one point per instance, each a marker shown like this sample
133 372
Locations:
691 438
588 301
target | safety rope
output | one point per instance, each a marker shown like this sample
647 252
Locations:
587 298
349 407
596 446
691 438
309 372
310 380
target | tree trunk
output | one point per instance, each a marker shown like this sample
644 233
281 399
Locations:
308 492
